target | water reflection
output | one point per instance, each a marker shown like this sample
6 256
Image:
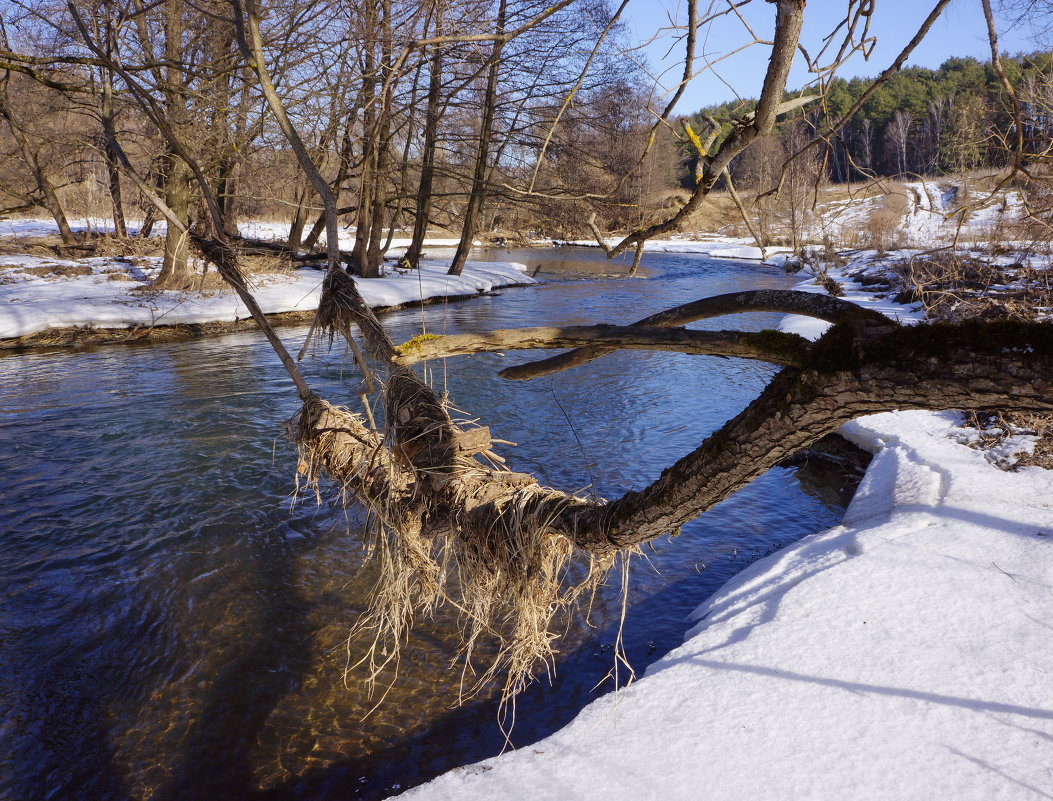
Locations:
174 627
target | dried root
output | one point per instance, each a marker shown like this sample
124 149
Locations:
485 541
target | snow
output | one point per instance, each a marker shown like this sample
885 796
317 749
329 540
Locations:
713 245
255 229
904 654
938 211
115 294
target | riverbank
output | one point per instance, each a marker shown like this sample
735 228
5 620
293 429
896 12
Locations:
903 654
48 302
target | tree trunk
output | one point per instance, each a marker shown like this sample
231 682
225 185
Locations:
51 199
299 219
107 115
176 272
478 192
175 269
427 171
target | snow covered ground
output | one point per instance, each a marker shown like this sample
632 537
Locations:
38 292
937 211
904 654
713 245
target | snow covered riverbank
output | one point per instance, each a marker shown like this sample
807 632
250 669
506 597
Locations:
37 293
904 654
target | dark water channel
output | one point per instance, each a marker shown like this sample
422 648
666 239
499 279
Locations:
173 626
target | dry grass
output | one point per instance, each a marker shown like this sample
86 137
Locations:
497 560
883 230
717 213
953 287
994 428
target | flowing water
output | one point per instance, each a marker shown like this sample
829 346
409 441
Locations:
173 625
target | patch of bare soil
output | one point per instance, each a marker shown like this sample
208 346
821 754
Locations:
58 270
85 246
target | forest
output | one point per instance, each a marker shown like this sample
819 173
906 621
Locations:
921 121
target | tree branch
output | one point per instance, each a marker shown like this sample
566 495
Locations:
1005 365
769 346
809 304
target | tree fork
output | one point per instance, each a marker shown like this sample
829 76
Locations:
787 301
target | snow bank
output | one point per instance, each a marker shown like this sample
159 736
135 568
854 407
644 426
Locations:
714 246
904 654
30 303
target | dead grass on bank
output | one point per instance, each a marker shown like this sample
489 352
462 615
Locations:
994 428
953 287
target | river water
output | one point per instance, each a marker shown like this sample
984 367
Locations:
173 624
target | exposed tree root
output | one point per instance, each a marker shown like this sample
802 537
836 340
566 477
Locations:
480 539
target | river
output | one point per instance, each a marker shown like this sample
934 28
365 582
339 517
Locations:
173 624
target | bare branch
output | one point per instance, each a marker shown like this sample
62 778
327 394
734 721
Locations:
507 36
821 307
769 346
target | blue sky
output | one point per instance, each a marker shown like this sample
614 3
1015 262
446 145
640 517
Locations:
960 31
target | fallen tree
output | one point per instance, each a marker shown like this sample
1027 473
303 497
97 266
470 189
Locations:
504 545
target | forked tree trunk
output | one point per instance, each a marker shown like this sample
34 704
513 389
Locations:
49 195
178 194
299 219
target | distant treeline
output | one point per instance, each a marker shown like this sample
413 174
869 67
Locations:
924 121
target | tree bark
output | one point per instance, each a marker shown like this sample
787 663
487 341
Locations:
106 110
427 170
477 194
770 346
821 307
175 269
969 366
176 272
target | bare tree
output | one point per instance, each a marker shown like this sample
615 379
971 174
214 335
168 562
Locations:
448 522
897 138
